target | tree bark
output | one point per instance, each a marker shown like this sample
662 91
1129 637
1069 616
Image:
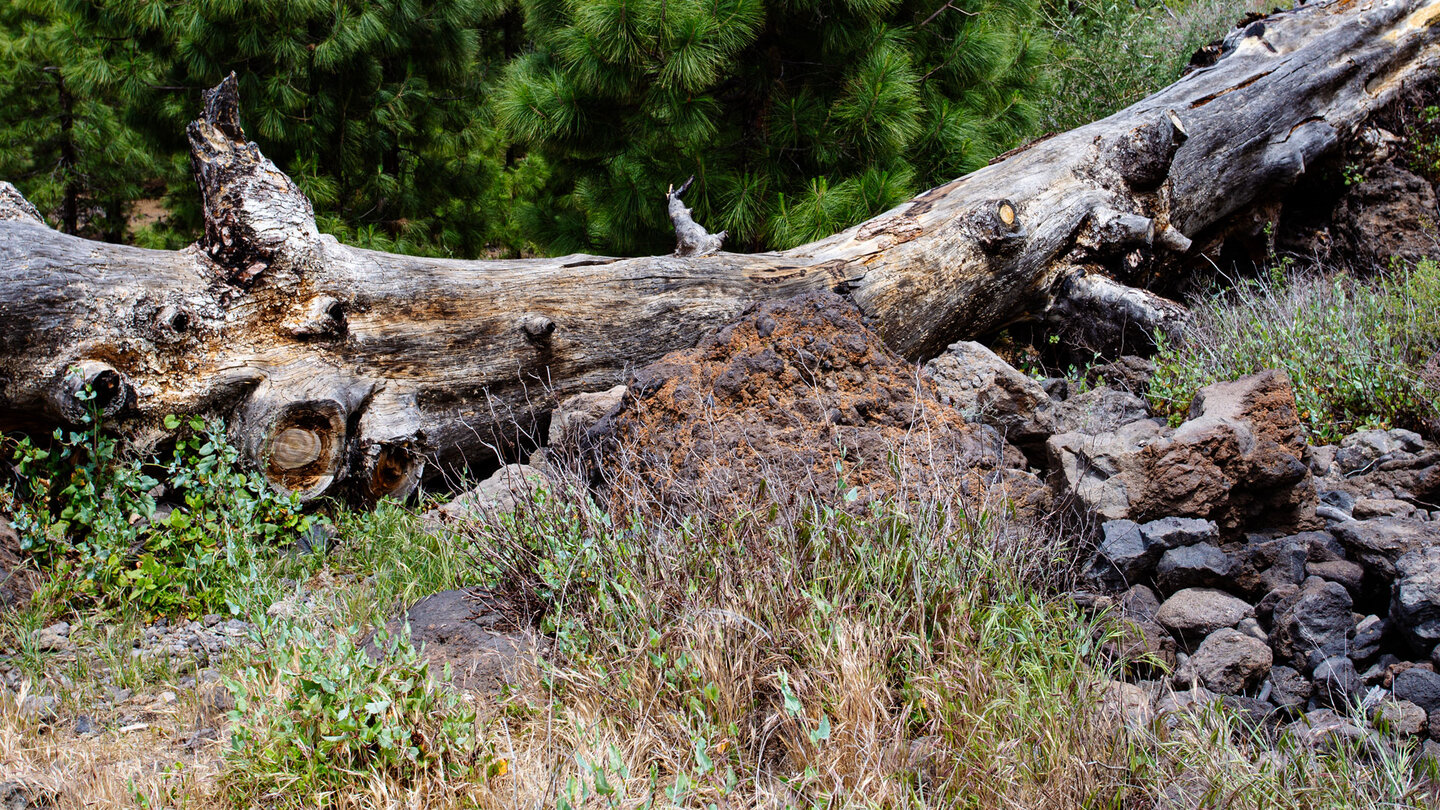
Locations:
347 371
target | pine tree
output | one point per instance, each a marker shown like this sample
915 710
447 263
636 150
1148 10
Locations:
798 117
374 106
66 139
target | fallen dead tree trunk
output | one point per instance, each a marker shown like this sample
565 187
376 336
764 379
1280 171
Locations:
344 370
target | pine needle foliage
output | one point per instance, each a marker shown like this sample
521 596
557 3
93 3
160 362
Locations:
65 137
797 117
374 106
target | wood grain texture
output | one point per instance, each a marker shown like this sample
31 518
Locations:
347 371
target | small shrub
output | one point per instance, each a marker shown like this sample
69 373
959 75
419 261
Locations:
316 718
87 512
1353 349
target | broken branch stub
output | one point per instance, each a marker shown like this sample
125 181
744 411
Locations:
690 236
342 370
255 215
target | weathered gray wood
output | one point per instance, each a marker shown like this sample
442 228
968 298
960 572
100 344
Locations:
346 370
691 238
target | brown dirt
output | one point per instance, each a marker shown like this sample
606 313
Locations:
789 401
17 578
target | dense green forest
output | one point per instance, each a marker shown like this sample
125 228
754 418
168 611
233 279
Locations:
499 127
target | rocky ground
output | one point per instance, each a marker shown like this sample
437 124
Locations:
1292 583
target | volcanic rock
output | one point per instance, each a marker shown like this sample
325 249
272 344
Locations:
1401 717
1197 566
986 389
1379 543
1390 213
1415 599
573 418
1313 624
1194 613
1230 662
1419 686
483 639
501 492
1288 688
1099 410
1336 682
1174 532
1240 460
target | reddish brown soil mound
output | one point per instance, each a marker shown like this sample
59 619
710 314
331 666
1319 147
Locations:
797 399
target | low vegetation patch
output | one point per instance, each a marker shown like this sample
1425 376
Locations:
317 719
915 654
1355 349
1108 54
87 510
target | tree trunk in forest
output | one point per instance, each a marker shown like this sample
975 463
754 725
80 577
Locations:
347 371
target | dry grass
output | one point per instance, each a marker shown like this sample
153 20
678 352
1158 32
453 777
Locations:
112 769
906 657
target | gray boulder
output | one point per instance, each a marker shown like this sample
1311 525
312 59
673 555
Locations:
1349 574
1139 603
1419 686
1194 613
1100 410
1415 598
1366 508
1141 642
984 388
1288 688
501 492
1265 608
1096 469
1331 731
1263 564
1230 662
1126 373
1380 542
1320 546
1197 566
1313 624
1368 635
1123 557
1369 448
1174 532
1401 718
1336 682
577 414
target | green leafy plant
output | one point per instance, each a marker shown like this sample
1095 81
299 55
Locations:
87 511
316 714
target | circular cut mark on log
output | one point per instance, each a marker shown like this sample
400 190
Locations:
1007 214
294 448
109 392
396 472
303 448
107 386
